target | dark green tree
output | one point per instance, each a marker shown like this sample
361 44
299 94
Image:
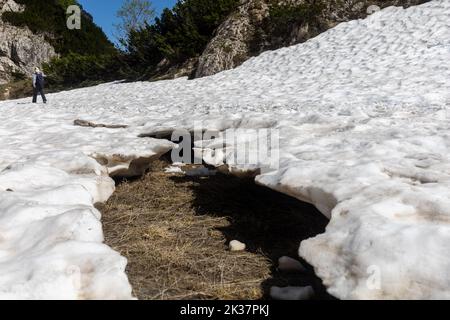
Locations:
179 33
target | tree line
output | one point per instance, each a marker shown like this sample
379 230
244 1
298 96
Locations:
87 57
144 41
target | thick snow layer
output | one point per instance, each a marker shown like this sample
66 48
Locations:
363 118
50 178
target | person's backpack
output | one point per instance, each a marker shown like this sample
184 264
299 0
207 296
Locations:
40 80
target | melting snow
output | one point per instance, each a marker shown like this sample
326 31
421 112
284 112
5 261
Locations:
362 112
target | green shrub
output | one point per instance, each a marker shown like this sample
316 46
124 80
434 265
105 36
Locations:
284 18
18 76
75 69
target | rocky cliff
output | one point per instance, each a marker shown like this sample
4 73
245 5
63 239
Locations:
20 49
253 28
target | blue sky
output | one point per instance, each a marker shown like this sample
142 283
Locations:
104 12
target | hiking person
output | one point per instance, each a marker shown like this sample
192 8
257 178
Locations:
38 85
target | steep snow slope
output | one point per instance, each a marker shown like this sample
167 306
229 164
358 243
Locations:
362 112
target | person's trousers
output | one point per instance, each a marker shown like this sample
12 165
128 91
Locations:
38 90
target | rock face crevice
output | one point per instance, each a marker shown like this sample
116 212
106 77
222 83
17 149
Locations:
230 47
20 49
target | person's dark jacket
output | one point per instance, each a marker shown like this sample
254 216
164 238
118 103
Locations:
38 80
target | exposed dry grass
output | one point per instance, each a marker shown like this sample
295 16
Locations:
174 230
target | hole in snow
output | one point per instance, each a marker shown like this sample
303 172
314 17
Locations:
175 230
